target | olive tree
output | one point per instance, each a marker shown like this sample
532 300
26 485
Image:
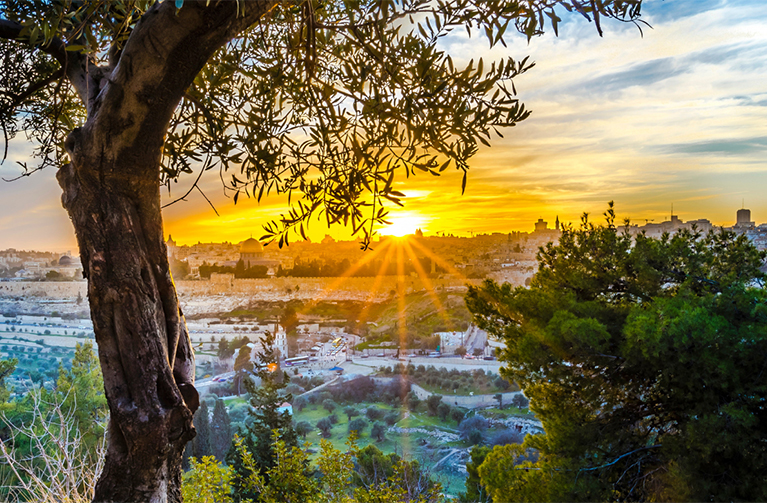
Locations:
324 101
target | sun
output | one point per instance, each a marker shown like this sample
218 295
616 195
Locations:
403 226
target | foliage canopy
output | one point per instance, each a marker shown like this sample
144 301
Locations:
644 359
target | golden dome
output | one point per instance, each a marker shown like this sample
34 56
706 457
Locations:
251 245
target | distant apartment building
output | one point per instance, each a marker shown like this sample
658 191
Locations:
757 234
656 230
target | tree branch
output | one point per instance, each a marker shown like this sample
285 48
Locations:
75 64
17 99
182 198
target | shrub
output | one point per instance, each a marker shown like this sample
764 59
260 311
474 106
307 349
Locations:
507 436
468 426
474 437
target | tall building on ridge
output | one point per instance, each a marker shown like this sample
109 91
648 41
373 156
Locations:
743 219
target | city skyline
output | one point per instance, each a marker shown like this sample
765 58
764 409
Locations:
673 116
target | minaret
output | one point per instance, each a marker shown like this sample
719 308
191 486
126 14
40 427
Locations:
557 223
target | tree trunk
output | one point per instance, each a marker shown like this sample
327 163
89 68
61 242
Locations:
144 349
111 191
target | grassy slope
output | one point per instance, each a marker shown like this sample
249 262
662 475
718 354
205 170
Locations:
423 315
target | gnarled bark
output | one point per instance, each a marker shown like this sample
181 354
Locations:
112 193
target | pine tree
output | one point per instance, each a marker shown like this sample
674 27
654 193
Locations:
265 400
220 430
643 358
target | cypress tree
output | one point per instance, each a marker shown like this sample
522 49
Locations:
201 443
220 430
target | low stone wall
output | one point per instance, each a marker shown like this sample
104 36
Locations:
467 402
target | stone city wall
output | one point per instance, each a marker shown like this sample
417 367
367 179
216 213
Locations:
306 289
268 289
44 289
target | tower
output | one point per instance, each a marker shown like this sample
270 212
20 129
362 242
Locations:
744 216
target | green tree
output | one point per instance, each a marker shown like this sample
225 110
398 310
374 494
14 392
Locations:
289 322
225 350
350 412
303 428
265 419
457 415
520 401
443 411
475 492
329 405
432 404
125 97
412 401
378 431
201 444
639 356
357 425
208 481
220 430
325 425
391 418
242 366
334 480
6 369
373 413
81 388
379 472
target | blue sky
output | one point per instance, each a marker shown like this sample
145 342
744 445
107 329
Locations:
676 116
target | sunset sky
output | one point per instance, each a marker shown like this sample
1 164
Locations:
677 116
